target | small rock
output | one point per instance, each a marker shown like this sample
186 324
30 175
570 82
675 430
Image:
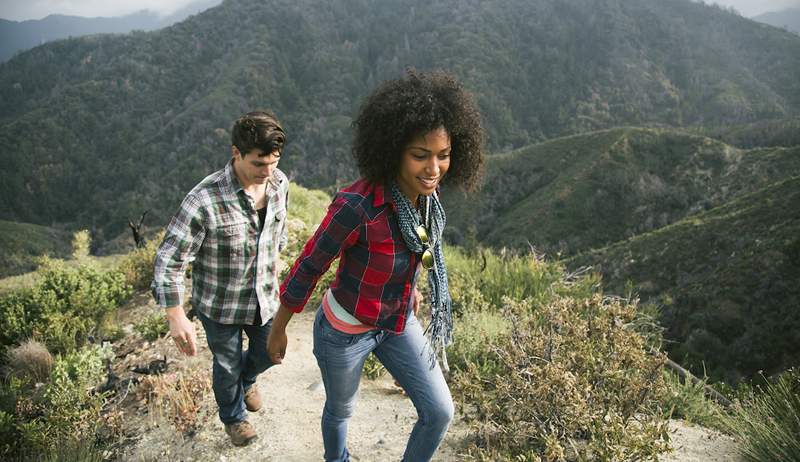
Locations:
316 386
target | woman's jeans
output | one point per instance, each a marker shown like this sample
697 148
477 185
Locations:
341 357
235 370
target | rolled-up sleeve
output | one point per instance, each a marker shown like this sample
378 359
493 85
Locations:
338 230
184 236
283 239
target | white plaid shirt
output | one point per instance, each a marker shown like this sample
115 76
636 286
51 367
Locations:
234 268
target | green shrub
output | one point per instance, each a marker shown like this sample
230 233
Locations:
48 420
81 243
573 381
767 424
152 327
497 274
686 399
474 338
373 368
138 265
65 307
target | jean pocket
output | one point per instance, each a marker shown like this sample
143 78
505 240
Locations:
334 336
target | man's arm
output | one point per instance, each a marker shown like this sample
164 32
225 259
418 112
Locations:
283 240
182 241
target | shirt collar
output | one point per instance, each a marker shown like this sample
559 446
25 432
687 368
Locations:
379 191
232 186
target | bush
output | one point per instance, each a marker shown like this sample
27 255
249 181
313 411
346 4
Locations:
138 265
152 327
65 308
65 412
486 278
686 399
29 362
573 381
767 424
176 397
373 369
81 243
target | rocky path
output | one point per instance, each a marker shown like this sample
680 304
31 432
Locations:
288 424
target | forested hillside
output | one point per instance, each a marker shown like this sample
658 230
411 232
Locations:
576 193
95 130
726 281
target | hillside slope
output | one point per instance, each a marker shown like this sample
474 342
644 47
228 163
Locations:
576 193
95 130
726 280
22 243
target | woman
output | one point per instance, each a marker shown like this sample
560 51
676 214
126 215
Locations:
410 135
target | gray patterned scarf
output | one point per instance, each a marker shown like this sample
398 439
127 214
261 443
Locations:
440 330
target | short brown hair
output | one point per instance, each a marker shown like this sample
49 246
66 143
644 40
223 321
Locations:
258 130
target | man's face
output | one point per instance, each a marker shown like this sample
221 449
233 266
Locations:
255 167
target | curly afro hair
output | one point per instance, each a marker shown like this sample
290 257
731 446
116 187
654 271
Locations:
415 104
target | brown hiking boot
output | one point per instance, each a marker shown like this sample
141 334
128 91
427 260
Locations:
252 399
241 433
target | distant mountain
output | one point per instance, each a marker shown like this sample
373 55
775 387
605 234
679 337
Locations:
18 36
576 193
788 19
726 281
94 130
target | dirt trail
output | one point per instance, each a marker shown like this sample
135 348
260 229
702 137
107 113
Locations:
288 424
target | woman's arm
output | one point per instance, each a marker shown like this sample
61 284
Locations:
338 231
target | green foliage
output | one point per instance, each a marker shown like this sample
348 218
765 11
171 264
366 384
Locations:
152 327
81 243
581 192
767 424
723 279
546 367
65 307
64 412
687 400
573 381
138 265
373 368
486 276
142 107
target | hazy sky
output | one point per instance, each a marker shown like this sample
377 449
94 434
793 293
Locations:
19 10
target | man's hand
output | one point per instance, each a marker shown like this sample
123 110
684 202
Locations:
417 300
182 330
277 341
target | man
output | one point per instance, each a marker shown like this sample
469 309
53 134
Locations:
232 226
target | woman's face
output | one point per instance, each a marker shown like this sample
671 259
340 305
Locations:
423 163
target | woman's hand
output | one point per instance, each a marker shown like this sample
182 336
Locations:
277 341
276 345
417 300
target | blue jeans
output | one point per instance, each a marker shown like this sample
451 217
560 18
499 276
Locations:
341 357
235 370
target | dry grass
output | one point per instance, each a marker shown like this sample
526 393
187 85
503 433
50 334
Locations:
29 361
176 397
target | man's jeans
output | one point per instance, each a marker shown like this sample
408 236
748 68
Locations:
235 370
341 357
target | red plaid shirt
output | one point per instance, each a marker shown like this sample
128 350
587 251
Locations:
376 272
